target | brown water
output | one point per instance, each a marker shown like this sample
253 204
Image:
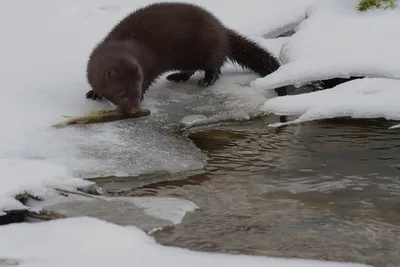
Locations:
322 190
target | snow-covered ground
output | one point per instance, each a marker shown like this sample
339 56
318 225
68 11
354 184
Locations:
44 49
92 242
337 41
361 98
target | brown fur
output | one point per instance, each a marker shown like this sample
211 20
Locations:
164 37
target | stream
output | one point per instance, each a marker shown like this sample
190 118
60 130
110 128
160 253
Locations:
325 190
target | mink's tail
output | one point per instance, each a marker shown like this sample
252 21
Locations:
250 55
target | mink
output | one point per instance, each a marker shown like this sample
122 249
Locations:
164 37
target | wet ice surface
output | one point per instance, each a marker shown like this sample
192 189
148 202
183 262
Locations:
150 144
147 213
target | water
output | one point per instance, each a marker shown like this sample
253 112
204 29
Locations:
322 190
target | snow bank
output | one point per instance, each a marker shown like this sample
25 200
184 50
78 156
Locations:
91 242
362 98
267 18
338 41
31 176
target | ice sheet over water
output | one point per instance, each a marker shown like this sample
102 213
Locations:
149 213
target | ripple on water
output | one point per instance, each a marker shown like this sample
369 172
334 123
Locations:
320 190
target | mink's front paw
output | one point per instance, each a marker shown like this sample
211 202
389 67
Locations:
92 95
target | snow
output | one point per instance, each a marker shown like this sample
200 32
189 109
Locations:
361 98
91 242
31 176
269 18
43 77
337 41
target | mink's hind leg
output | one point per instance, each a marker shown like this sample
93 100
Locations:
92 95
210 77
181 76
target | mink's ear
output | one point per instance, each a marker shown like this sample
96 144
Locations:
110 73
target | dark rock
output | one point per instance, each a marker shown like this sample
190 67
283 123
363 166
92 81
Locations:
13 216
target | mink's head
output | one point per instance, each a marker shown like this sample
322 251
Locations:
121 84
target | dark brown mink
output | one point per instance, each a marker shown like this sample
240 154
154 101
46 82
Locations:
164 37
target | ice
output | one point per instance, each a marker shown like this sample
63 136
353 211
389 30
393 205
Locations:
193 119
397 126
92 242
199 120
168 208
338 41
361 98
31 176
149 213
